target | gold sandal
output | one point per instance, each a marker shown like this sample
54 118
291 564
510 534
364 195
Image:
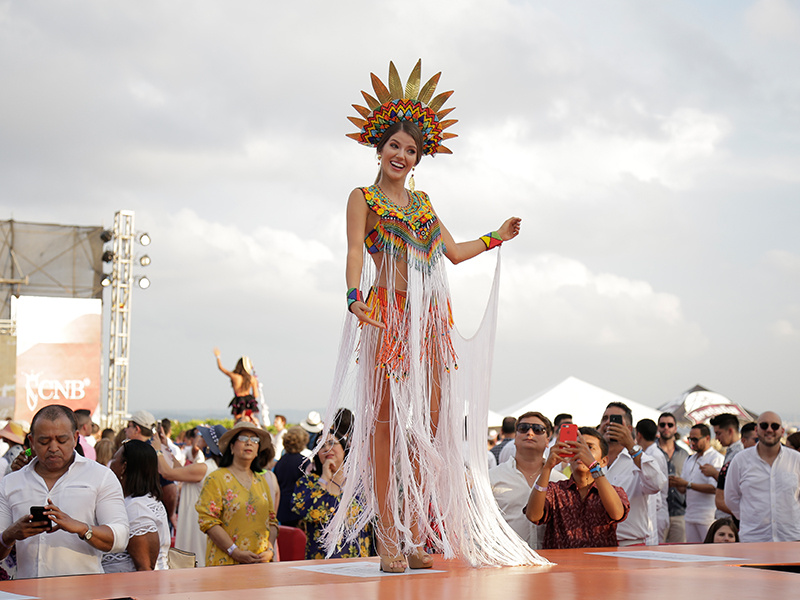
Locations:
387 560
420 560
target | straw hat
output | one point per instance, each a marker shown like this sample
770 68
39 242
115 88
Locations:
241 427
13 432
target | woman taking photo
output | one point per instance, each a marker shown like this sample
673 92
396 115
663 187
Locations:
188 536
136 466
235 509
399 354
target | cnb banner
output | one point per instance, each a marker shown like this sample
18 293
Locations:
59 348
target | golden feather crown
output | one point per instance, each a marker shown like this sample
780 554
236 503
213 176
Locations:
413 103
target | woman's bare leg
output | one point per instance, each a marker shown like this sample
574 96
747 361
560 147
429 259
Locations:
388 542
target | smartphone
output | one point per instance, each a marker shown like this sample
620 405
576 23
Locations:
615 419
38 516
568 433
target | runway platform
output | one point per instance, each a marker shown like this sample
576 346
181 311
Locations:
679 572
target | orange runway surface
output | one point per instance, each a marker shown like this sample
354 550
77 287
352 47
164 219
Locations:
577 575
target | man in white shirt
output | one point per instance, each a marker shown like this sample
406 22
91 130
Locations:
646 431
726 432
632 470
81 498
513 480
762 487
699 488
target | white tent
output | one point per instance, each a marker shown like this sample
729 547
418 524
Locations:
584 401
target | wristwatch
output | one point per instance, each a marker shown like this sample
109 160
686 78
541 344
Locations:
689 485
88 535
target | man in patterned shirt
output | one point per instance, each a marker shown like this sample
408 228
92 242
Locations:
583 511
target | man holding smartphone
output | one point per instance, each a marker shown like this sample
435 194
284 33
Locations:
83 512
632 470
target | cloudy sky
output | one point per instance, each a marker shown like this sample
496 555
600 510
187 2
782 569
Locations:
648 147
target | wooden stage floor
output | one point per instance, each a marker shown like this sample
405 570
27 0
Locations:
679 572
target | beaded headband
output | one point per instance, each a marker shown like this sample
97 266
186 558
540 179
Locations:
412 103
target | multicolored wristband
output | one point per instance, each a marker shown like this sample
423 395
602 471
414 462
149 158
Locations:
353 295
492 240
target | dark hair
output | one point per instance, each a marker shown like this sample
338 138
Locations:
281 417
703 428
532 413
748 427
406 127
141 470
625 409
145 431
108 434
240 370
719 524
83 416
596 434
340 430
509 425
725 420
647 428
794 440
53 412
561 417
668 414
259 463
166 425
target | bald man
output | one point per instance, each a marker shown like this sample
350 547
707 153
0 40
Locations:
762 488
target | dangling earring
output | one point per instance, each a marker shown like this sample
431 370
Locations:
411 184
379 160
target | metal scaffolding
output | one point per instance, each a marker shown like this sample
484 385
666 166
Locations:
120 328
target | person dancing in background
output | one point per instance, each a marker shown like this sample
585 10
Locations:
244 405
398 357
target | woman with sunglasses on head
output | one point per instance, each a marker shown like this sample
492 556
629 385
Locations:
317 497
236 508
136 466
188 535
399 355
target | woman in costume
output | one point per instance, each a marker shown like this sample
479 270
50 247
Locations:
245 388
400 354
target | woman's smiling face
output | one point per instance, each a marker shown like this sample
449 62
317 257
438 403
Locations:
398 156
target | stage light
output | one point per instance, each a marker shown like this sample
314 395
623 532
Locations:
107 236
108 256
144 260
144 239
143 282
105 281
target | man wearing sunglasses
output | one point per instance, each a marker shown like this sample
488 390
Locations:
676 457
512 480
762 486
698 487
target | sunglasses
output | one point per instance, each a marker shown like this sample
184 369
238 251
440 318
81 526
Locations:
765 426
329 444
248 438
668 425
694 439
526 427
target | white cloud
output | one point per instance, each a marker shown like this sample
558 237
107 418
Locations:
774 19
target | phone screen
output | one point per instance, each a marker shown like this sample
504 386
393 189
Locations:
37 512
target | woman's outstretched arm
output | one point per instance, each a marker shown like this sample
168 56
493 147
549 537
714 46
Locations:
461 251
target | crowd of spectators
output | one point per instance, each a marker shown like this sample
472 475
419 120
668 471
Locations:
74 499
643 486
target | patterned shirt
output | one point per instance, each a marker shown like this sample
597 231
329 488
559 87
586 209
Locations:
314 506
573 522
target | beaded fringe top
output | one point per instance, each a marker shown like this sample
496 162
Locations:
411 232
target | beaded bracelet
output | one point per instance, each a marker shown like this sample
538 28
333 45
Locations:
492 240
593 465
353 295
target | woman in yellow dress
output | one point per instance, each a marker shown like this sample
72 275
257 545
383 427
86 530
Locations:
235 509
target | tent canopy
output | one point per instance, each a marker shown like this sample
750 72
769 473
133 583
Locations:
584 401
699 405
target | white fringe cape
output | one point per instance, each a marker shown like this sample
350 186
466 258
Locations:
451 500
